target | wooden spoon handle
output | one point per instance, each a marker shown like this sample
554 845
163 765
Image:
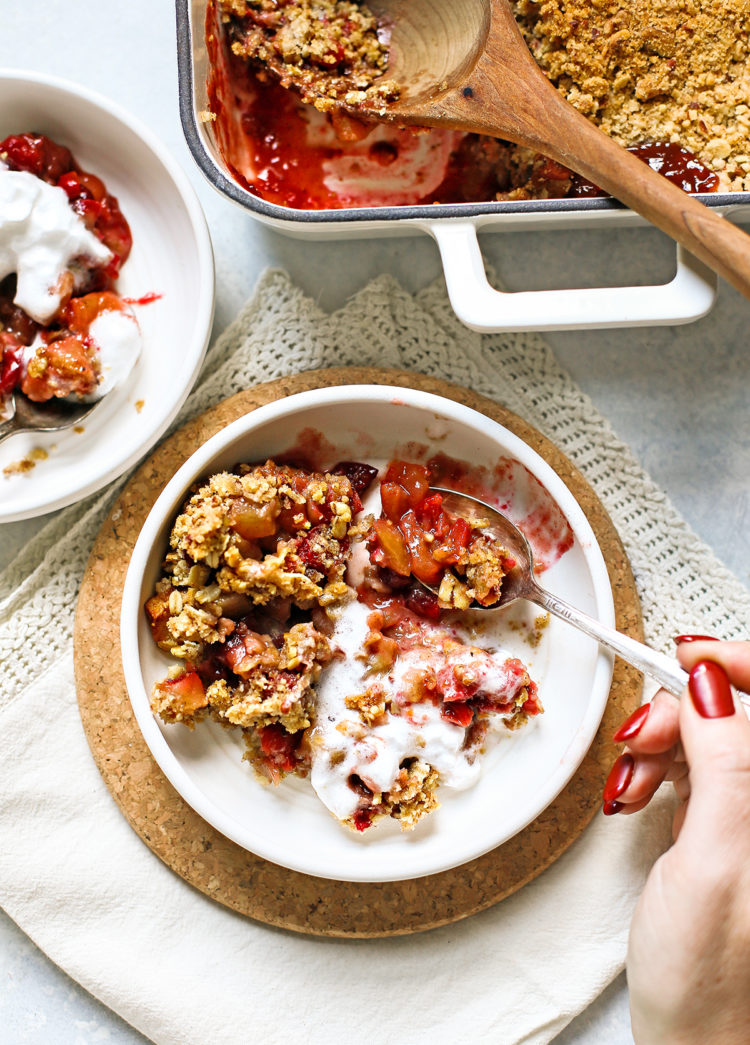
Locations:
507 96
714 240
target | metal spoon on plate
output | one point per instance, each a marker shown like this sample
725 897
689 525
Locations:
520 583
54 415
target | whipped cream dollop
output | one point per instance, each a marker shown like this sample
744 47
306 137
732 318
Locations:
117 336
40 238
376 754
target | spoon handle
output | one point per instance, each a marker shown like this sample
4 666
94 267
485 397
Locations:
8 427
659 666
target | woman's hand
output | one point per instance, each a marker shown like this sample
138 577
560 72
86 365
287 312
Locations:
689 953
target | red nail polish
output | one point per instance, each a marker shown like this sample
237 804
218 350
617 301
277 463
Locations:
619 778
632 725
709 687
610 808
679 639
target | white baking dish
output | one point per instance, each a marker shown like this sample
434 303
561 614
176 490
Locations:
687 297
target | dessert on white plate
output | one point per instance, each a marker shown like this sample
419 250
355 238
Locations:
522 770
120 340
298 618
64 330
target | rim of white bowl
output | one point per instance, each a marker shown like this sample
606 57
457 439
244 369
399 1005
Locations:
312 862
203 305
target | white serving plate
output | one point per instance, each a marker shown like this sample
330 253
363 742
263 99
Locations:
171 256
288 824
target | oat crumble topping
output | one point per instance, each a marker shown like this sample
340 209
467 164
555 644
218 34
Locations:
328 50
653 70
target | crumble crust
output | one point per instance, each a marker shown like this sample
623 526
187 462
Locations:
653 70
328 50
248 548
372 705
275 684
481 569
410 799
247 540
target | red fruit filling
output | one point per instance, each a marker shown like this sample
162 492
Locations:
458 714
359 475
462 698
362 819
11 354
279 748
422 602
64 365
416 536
186 693
55 164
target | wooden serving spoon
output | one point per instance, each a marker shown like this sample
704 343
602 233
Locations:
464 64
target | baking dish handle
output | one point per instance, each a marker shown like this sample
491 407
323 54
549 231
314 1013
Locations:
685 298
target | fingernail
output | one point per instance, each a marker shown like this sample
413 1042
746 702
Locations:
619 778
679 639
709 687
632 725
610 808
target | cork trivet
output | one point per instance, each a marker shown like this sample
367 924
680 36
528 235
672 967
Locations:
220 868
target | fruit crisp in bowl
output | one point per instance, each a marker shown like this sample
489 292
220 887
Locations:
399 694
299 620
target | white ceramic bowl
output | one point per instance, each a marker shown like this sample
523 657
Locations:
171 256
521 776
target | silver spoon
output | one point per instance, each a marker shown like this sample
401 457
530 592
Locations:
51 416
520 583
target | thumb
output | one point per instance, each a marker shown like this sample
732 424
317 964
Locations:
715 734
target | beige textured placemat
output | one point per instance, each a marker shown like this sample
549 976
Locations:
218 867
182 968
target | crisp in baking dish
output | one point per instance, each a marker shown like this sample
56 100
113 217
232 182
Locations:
687 297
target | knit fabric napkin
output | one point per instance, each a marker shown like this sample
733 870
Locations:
181 968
